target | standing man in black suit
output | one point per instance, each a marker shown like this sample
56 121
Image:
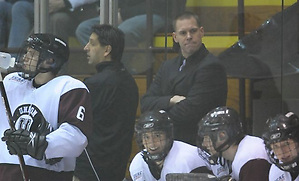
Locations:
191 84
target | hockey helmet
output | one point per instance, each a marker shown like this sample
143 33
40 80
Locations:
220 119
282 137
154 129
41 47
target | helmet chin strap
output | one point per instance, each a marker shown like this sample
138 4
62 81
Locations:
43 70
226 145
27 76
291 167
213 160
152 165
295 171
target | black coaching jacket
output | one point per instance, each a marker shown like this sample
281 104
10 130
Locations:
114 95
202 81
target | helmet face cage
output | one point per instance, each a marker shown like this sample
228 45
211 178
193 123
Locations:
281 138
221 119
203 152
156 140
39 48
154 134
27 61
290 148
206 142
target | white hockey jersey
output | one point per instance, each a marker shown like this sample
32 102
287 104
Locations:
279 175
182 158
62 103
250 148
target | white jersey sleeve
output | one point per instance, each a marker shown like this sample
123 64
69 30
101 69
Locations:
250 148
63 105
65 147
182 158
217 169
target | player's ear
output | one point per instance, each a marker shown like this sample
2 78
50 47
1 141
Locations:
222 135
49 61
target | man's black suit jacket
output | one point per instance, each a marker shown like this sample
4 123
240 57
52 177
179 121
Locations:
202 81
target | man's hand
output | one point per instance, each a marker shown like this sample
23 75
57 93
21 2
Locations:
23 142
176 99
55 5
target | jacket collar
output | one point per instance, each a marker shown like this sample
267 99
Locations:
197 56
103 65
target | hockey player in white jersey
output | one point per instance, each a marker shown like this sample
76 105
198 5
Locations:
160 154
282 143
221 135
51 114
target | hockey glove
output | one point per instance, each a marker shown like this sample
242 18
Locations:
53 161
23 142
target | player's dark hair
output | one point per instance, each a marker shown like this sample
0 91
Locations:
109 35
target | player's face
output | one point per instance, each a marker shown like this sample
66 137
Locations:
30 59
208 144
188 35
154 142
286 151
95 51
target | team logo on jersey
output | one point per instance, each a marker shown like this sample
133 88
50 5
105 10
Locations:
29 117
280 178
137 175
17 79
